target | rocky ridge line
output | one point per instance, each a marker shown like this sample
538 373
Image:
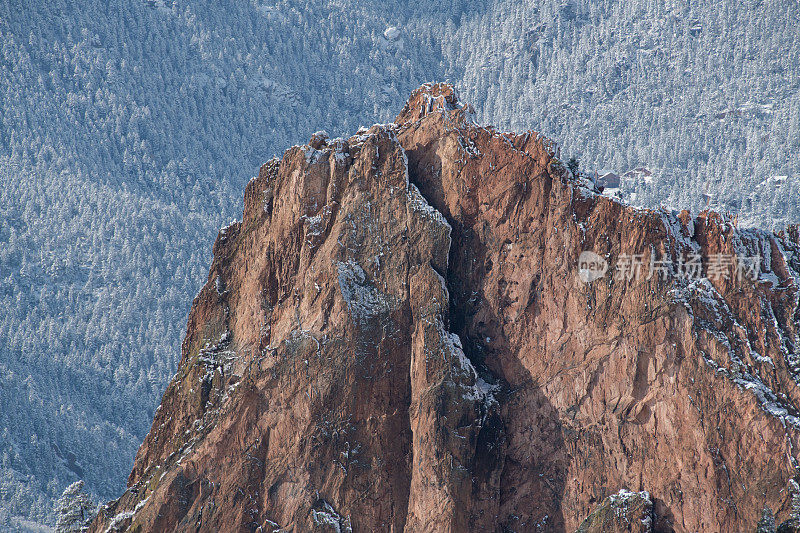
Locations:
395 337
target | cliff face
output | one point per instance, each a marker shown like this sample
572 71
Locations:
397 337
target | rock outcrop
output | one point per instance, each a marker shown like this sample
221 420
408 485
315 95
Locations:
398 336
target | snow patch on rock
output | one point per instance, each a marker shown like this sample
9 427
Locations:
327 516
419 205
363 300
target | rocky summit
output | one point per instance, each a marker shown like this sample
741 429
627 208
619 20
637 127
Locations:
437 326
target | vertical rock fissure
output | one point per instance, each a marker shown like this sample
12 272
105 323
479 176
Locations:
480 492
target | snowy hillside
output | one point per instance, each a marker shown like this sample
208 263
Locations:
704 94
128 131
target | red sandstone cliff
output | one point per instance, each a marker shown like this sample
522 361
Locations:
396 338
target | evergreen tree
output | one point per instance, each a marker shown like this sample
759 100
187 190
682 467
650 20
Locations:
573 166
74 510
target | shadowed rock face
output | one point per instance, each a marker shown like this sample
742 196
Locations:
396 338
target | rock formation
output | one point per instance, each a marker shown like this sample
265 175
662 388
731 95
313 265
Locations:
398 336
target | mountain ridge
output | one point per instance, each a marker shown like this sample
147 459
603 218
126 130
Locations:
396 336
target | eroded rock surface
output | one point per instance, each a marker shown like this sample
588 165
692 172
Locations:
396 338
